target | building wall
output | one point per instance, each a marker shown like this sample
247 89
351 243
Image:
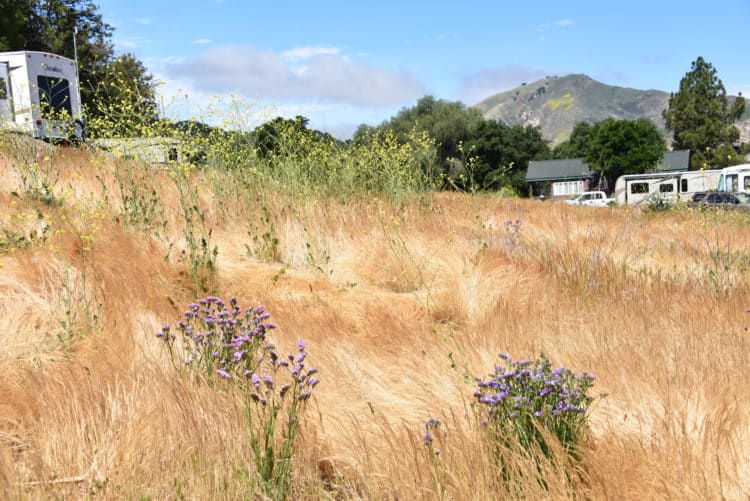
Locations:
560 190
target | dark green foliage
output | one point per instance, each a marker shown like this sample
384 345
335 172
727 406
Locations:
503 153
701 120
618 147
448 123
13 19
474 153
575 145
124 93
271 135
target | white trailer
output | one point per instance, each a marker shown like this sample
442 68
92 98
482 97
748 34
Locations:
735 178
154 150
633 189
40 95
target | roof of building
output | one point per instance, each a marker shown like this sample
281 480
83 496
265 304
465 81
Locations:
553 170
677 160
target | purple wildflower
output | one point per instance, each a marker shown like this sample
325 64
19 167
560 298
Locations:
304 396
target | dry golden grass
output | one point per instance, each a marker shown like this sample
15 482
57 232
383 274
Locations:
398 304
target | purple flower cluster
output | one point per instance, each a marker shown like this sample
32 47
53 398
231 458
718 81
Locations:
231 342
520 396
431 427
220 338
225 340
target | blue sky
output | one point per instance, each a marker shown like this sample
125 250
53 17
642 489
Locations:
343 63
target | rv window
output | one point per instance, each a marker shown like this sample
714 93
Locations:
3 89
666 188
683 185
731 182
54 96
639 188
746 183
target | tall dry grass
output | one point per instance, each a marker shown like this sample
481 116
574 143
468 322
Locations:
401 305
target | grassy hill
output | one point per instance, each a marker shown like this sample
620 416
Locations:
556 104
402 301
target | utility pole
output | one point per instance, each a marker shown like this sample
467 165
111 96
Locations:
78 77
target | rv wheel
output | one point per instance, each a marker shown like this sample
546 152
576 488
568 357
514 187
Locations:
77 134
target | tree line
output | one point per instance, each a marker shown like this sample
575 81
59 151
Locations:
491 155
474 153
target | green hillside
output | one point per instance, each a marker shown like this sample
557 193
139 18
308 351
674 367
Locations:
556 104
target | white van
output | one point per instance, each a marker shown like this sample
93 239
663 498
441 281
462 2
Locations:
40 95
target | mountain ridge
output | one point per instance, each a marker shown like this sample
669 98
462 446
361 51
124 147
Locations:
556 104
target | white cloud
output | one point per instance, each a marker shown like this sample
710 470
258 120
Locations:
180 100
438 37
130 43
203 41
325 77
298 53
560 23
489 81
145 21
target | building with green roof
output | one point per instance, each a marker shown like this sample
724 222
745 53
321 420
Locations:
559 178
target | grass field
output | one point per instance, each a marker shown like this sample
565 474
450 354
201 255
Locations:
402 303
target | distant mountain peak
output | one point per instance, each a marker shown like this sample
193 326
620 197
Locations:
556 104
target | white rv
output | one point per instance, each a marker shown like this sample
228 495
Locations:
40 95
633 189
735 178
154 150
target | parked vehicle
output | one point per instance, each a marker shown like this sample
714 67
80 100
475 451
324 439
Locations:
735 178
40 95
155 150
634 189
721 199
592 199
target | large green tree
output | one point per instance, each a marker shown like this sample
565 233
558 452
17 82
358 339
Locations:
575 145
122 99
501 154
618 147
286 136
473 152
449 123
700 118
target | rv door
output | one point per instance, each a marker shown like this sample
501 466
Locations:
6 109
